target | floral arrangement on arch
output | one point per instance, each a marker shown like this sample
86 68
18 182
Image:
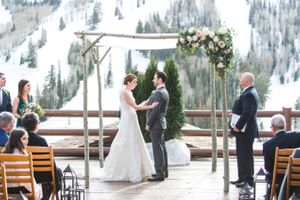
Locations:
33 107
216 44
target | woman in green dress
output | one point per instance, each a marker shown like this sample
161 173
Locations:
22 99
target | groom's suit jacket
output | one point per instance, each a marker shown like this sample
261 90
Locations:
156 117
6 102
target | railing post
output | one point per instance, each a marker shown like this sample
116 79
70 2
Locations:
287 113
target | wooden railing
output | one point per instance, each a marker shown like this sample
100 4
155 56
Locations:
287 112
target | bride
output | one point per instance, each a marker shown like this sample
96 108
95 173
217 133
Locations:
128 159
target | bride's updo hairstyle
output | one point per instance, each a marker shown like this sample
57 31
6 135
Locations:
128 78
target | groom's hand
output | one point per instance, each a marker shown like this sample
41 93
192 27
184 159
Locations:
147 128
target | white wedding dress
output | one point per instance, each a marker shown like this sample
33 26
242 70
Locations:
128 159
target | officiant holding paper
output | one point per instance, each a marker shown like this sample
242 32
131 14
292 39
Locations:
244 127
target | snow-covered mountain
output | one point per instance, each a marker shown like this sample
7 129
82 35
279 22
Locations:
56 49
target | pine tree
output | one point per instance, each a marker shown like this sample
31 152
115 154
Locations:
62 24
109 77
175 115
146 88
32 55
128 66
60 92
96 16
43 39
139 28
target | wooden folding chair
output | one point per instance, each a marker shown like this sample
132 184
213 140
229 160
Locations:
280 166
293 178
3 185
19 170
43 162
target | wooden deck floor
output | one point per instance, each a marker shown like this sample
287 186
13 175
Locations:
191 182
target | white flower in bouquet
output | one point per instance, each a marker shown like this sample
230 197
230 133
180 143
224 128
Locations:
195 38
206 31
222 30
33 107
216 39
221 44
220 65
182 40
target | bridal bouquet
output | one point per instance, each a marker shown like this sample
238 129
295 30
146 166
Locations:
216 44
33 107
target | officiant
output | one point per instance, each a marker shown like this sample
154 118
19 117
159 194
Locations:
245 129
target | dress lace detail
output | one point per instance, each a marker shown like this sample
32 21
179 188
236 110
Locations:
128 159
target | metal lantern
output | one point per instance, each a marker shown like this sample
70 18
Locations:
71 188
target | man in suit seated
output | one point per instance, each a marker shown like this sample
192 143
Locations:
31 122
281 139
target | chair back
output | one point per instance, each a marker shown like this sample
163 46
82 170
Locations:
3 185
293 178
43 161
19 172
280 166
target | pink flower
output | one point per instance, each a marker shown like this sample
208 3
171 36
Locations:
211 45
220 65
198 34
221 44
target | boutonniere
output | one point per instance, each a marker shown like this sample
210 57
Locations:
5 92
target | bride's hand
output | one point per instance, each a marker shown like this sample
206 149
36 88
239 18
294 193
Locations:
154 104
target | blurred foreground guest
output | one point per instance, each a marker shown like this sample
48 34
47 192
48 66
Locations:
31 122
22 99
282 140
7 122
17 144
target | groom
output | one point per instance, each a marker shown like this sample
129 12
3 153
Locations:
157 124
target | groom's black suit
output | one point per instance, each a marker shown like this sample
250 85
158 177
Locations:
6 102
246 106
156 121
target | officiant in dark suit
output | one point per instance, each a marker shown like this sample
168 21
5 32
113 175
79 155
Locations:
5 100
157 124
246 107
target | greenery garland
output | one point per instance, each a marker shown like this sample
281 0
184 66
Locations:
216 44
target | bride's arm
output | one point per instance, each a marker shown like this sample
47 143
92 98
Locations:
132 103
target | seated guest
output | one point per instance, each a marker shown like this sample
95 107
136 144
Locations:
7 122
31 122
282 140
17 144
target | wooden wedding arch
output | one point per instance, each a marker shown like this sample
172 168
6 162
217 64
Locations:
95 39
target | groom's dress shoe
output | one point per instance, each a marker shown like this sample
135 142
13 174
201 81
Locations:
241 184
235 182
156 178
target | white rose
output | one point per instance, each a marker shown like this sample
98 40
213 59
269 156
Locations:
222 30
189 38
211 34
203 37
191 30
182 40
220 65
195 38
216 39
205 31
